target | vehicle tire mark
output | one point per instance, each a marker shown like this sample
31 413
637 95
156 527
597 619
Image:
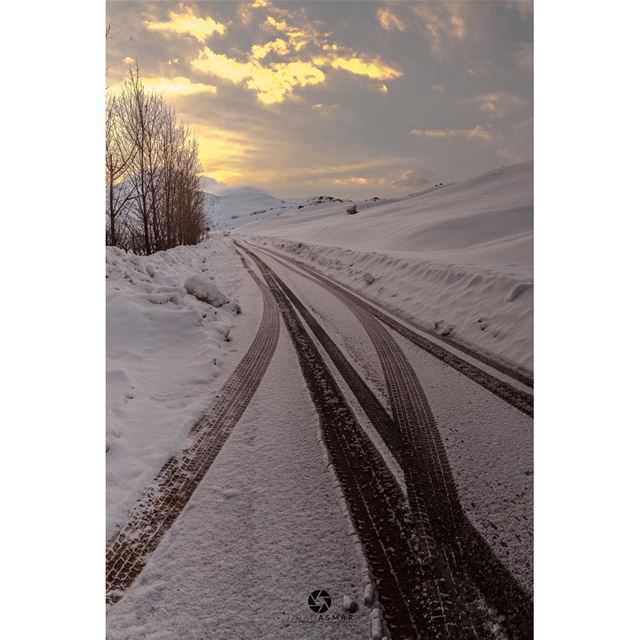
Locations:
442 522
160 504
428 574
518 398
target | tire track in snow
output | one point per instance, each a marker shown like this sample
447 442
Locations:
518 398
442 522
420 595
161 503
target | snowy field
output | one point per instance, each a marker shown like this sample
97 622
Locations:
165 349
458 258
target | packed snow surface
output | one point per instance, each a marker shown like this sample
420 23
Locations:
458 258
164 350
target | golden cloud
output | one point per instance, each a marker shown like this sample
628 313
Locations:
271 83
260 51
371 68
188 23
388 21
178 86
477 133
172 87
297 36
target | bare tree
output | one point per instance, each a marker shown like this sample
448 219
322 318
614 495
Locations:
118 157
154 200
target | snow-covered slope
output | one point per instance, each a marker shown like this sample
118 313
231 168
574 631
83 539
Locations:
228 208
459 257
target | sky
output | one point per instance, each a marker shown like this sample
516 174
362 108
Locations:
349 98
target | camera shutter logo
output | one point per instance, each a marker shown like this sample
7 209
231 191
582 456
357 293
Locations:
319 601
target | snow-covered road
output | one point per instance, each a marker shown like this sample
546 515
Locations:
489 443
264 529
275 519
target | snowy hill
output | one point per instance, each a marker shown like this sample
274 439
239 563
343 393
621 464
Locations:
231 207
458 257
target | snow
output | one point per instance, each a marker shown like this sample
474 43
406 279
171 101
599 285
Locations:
489 444
228 208
456 254
165 348
375 620
265 527
204 288
349 604
269 513
369 594
354 343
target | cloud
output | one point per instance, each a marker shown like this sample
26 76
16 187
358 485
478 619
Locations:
442 24
272 84
499 105
305 128
172 87
512 155
128 60
476 133
412 179
260 51
524 56
523 7
178 86
298 36
328 110
188 23
388 21
372 68
275 82
354 180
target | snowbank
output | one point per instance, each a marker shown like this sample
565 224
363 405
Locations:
164 349
204 288
459 257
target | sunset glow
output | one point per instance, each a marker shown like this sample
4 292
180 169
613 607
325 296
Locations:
276 92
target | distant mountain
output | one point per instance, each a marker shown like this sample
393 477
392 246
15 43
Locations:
210 185
230 207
